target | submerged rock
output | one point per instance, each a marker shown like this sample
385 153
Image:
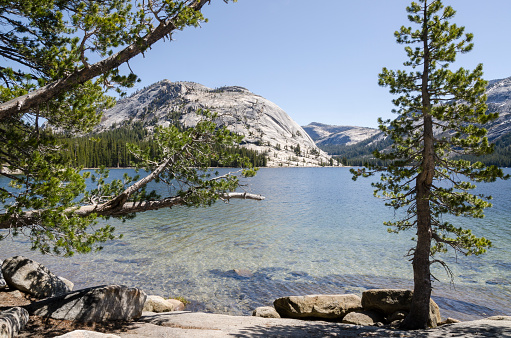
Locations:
243 273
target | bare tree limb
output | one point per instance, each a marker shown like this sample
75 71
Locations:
33 217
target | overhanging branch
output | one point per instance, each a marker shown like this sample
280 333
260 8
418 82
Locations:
33 217
31 100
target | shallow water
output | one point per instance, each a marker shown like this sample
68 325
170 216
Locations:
317 231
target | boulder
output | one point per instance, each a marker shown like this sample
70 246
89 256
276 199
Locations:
87 334
266 312
160 304
178 305
12 321
70 285
33 278
389 301
434 314
398 315
332 307
365 318
450 320
97 304
3 284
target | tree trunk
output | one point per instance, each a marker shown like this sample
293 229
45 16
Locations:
418 316
419 310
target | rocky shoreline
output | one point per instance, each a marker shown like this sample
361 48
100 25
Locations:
35 302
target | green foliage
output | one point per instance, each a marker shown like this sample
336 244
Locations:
189 153
452 104
109 149
440 114
501 156
104 149
43 44
53 192
46 184
297 150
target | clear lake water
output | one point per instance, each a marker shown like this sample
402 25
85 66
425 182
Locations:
317 232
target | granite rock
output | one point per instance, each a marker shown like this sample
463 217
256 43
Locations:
332 307
26 275
265 126
13 321
266 312
389 301
97 304
366 318
159 304
87 334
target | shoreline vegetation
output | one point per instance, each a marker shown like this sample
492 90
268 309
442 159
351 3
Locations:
110 148
7 171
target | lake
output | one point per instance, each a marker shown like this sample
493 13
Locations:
317 232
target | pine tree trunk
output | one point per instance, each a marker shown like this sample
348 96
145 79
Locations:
418 316
419 310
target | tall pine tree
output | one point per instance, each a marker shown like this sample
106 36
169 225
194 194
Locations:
440 115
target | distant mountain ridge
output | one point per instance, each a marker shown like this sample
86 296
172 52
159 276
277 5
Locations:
267 128
499 100
324 134
338 140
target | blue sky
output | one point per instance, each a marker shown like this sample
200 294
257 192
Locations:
318 60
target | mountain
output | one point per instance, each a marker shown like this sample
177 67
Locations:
499 100
324 134
338 140
266 127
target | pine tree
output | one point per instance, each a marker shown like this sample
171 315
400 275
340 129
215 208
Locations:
47 47
440 114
